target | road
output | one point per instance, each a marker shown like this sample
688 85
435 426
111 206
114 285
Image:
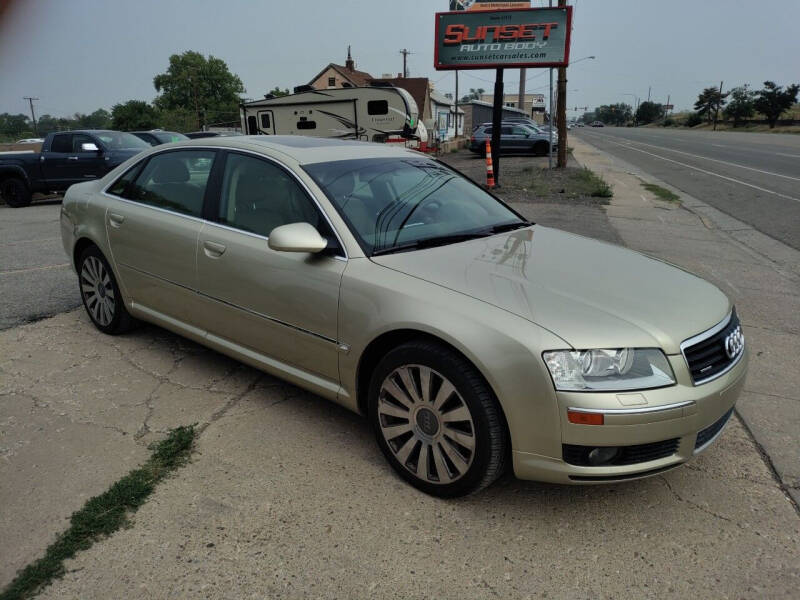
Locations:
36 280
754 177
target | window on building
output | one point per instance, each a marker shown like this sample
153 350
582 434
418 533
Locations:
331 81
265 124
377 107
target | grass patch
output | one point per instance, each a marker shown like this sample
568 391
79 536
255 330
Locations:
104 514
592 184
660 192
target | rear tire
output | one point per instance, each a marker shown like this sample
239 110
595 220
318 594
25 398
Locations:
15 192
100 293
446 436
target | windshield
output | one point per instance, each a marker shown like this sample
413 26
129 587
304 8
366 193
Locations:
165 137
117 140
393 203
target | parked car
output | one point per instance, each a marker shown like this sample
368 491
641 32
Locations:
66 157
195 135
514 137
387 282
156 137
598 124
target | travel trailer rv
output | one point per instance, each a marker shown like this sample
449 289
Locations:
374 114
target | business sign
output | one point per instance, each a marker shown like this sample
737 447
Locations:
532 37
487 4
668 106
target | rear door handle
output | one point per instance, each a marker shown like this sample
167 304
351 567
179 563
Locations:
213 249
72 158
115 220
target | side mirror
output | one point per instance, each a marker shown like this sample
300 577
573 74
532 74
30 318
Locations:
297 237
89 147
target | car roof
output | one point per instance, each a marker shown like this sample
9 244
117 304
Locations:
304 149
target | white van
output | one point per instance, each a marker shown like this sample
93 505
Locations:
373 114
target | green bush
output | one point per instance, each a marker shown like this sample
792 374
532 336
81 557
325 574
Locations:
694 119
668 122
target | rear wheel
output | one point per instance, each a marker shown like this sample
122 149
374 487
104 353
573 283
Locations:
100 293
15 192
436 420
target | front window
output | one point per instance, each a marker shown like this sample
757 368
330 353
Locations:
167 137
396 204
118 140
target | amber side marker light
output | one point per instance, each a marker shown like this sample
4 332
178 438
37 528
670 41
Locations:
582 418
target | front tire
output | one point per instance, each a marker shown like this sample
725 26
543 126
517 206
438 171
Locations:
436 420
15 192
100 293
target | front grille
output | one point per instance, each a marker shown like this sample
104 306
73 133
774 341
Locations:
628 455
709 432
708 358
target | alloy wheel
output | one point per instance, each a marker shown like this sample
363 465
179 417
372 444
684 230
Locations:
426 424
98 291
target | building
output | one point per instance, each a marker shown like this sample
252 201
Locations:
477 112
337 76
532 103
444 123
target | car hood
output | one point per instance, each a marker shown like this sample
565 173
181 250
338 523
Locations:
591 294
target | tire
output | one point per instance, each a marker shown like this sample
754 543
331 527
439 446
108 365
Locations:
100 293
541 148
449 441
15 192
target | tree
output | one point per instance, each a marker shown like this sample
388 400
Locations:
614 114
773 100
15 125
709 101
99 119
278 92
46 124
204 85
134 115
649 112
741 105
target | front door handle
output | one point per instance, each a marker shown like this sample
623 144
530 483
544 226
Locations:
213 249
72 158
115 220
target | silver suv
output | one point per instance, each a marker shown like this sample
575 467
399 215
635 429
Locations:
514 137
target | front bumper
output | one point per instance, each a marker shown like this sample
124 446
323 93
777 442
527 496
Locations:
668 418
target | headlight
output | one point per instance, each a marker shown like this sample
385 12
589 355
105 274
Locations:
608 369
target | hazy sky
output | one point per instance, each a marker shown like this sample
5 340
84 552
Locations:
79 55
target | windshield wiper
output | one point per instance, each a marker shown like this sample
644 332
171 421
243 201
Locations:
510 226
441 240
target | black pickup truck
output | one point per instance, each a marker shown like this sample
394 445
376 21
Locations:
66 157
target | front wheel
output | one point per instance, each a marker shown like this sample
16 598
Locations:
100 293
15 193
436 420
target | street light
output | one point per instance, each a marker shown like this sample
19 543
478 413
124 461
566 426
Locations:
580 59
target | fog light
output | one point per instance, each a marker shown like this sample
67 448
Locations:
602 456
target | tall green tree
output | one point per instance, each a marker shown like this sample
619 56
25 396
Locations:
134 115
203 85
741 105
649 112
614 114
772 100
99 119
709 101
15 125
278 92
474 94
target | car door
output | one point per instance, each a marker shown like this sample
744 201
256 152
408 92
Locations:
153 226
281 305
86 164
57 167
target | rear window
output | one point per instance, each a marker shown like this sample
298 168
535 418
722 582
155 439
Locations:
62 143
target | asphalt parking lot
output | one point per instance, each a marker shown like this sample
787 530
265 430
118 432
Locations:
287 495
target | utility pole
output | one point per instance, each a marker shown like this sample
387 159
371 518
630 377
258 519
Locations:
649 87
497 120
521 98
562 110
719 101
30 100
666 110
456 103
405 54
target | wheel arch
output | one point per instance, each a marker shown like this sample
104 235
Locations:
388 340
14 171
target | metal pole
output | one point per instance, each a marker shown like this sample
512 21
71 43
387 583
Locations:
550 123
456 103
497 121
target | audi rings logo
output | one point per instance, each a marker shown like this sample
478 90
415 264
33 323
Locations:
734 343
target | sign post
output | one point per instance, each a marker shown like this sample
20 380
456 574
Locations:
499 39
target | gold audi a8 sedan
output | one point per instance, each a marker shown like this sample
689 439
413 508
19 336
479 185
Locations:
387 282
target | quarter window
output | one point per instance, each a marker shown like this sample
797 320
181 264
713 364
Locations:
257 196
175 181
377 107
